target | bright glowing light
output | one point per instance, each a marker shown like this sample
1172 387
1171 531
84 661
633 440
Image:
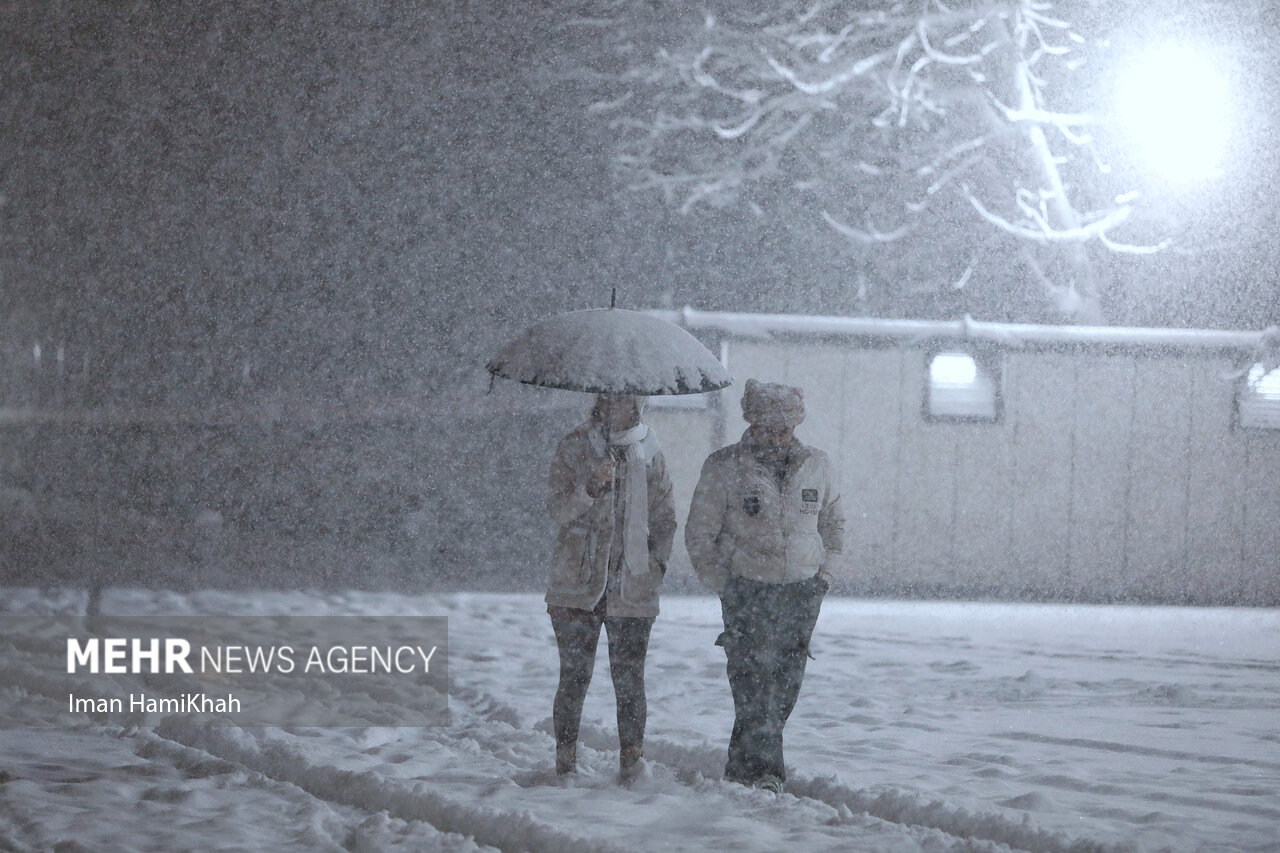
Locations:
958 389
1264 383
952 368
1174 103
1258 402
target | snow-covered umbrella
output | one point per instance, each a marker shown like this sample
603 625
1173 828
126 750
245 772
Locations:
610 351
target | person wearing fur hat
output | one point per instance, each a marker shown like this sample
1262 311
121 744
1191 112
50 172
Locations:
766 532
611 495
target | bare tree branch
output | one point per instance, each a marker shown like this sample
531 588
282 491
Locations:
871 235
1040 231
879 113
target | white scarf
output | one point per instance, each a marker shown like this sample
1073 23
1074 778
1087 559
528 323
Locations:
635 496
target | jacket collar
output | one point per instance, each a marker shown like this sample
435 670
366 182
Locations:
796 456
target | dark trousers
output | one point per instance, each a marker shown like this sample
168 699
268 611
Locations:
577 635
766 640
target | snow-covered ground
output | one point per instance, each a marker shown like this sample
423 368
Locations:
921 727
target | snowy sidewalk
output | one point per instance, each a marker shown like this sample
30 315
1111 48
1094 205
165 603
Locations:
921 727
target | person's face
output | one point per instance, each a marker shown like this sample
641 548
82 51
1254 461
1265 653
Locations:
775 437
619 413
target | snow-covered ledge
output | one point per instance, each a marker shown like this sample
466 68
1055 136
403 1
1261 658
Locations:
1007 334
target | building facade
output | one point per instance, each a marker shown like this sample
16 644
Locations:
996 460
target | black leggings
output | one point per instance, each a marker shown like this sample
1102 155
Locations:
577 635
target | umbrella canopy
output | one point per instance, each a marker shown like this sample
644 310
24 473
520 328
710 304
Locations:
610 351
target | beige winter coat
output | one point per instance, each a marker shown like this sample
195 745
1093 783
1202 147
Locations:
588 548
744 522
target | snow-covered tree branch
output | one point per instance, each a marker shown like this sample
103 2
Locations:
884 119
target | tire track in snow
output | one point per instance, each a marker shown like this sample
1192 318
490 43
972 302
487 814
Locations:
903 807
1111 746
892 806
475 828
371 792
190 760
692 763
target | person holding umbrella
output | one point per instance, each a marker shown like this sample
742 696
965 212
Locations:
611 495
766 532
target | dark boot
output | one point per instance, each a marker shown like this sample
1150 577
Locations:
630 764
566 759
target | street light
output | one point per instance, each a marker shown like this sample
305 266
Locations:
1174 105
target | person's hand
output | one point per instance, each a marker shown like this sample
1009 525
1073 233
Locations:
600 480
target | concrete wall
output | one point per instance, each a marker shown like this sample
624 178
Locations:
1114 473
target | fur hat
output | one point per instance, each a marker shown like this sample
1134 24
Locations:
772 405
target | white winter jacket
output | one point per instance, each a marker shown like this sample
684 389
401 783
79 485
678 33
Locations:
588 547
743 521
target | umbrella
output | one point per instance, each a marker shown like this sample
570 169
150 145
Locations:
610 351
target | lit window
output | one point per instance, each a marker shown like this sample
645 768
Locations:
1258 399
961 387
